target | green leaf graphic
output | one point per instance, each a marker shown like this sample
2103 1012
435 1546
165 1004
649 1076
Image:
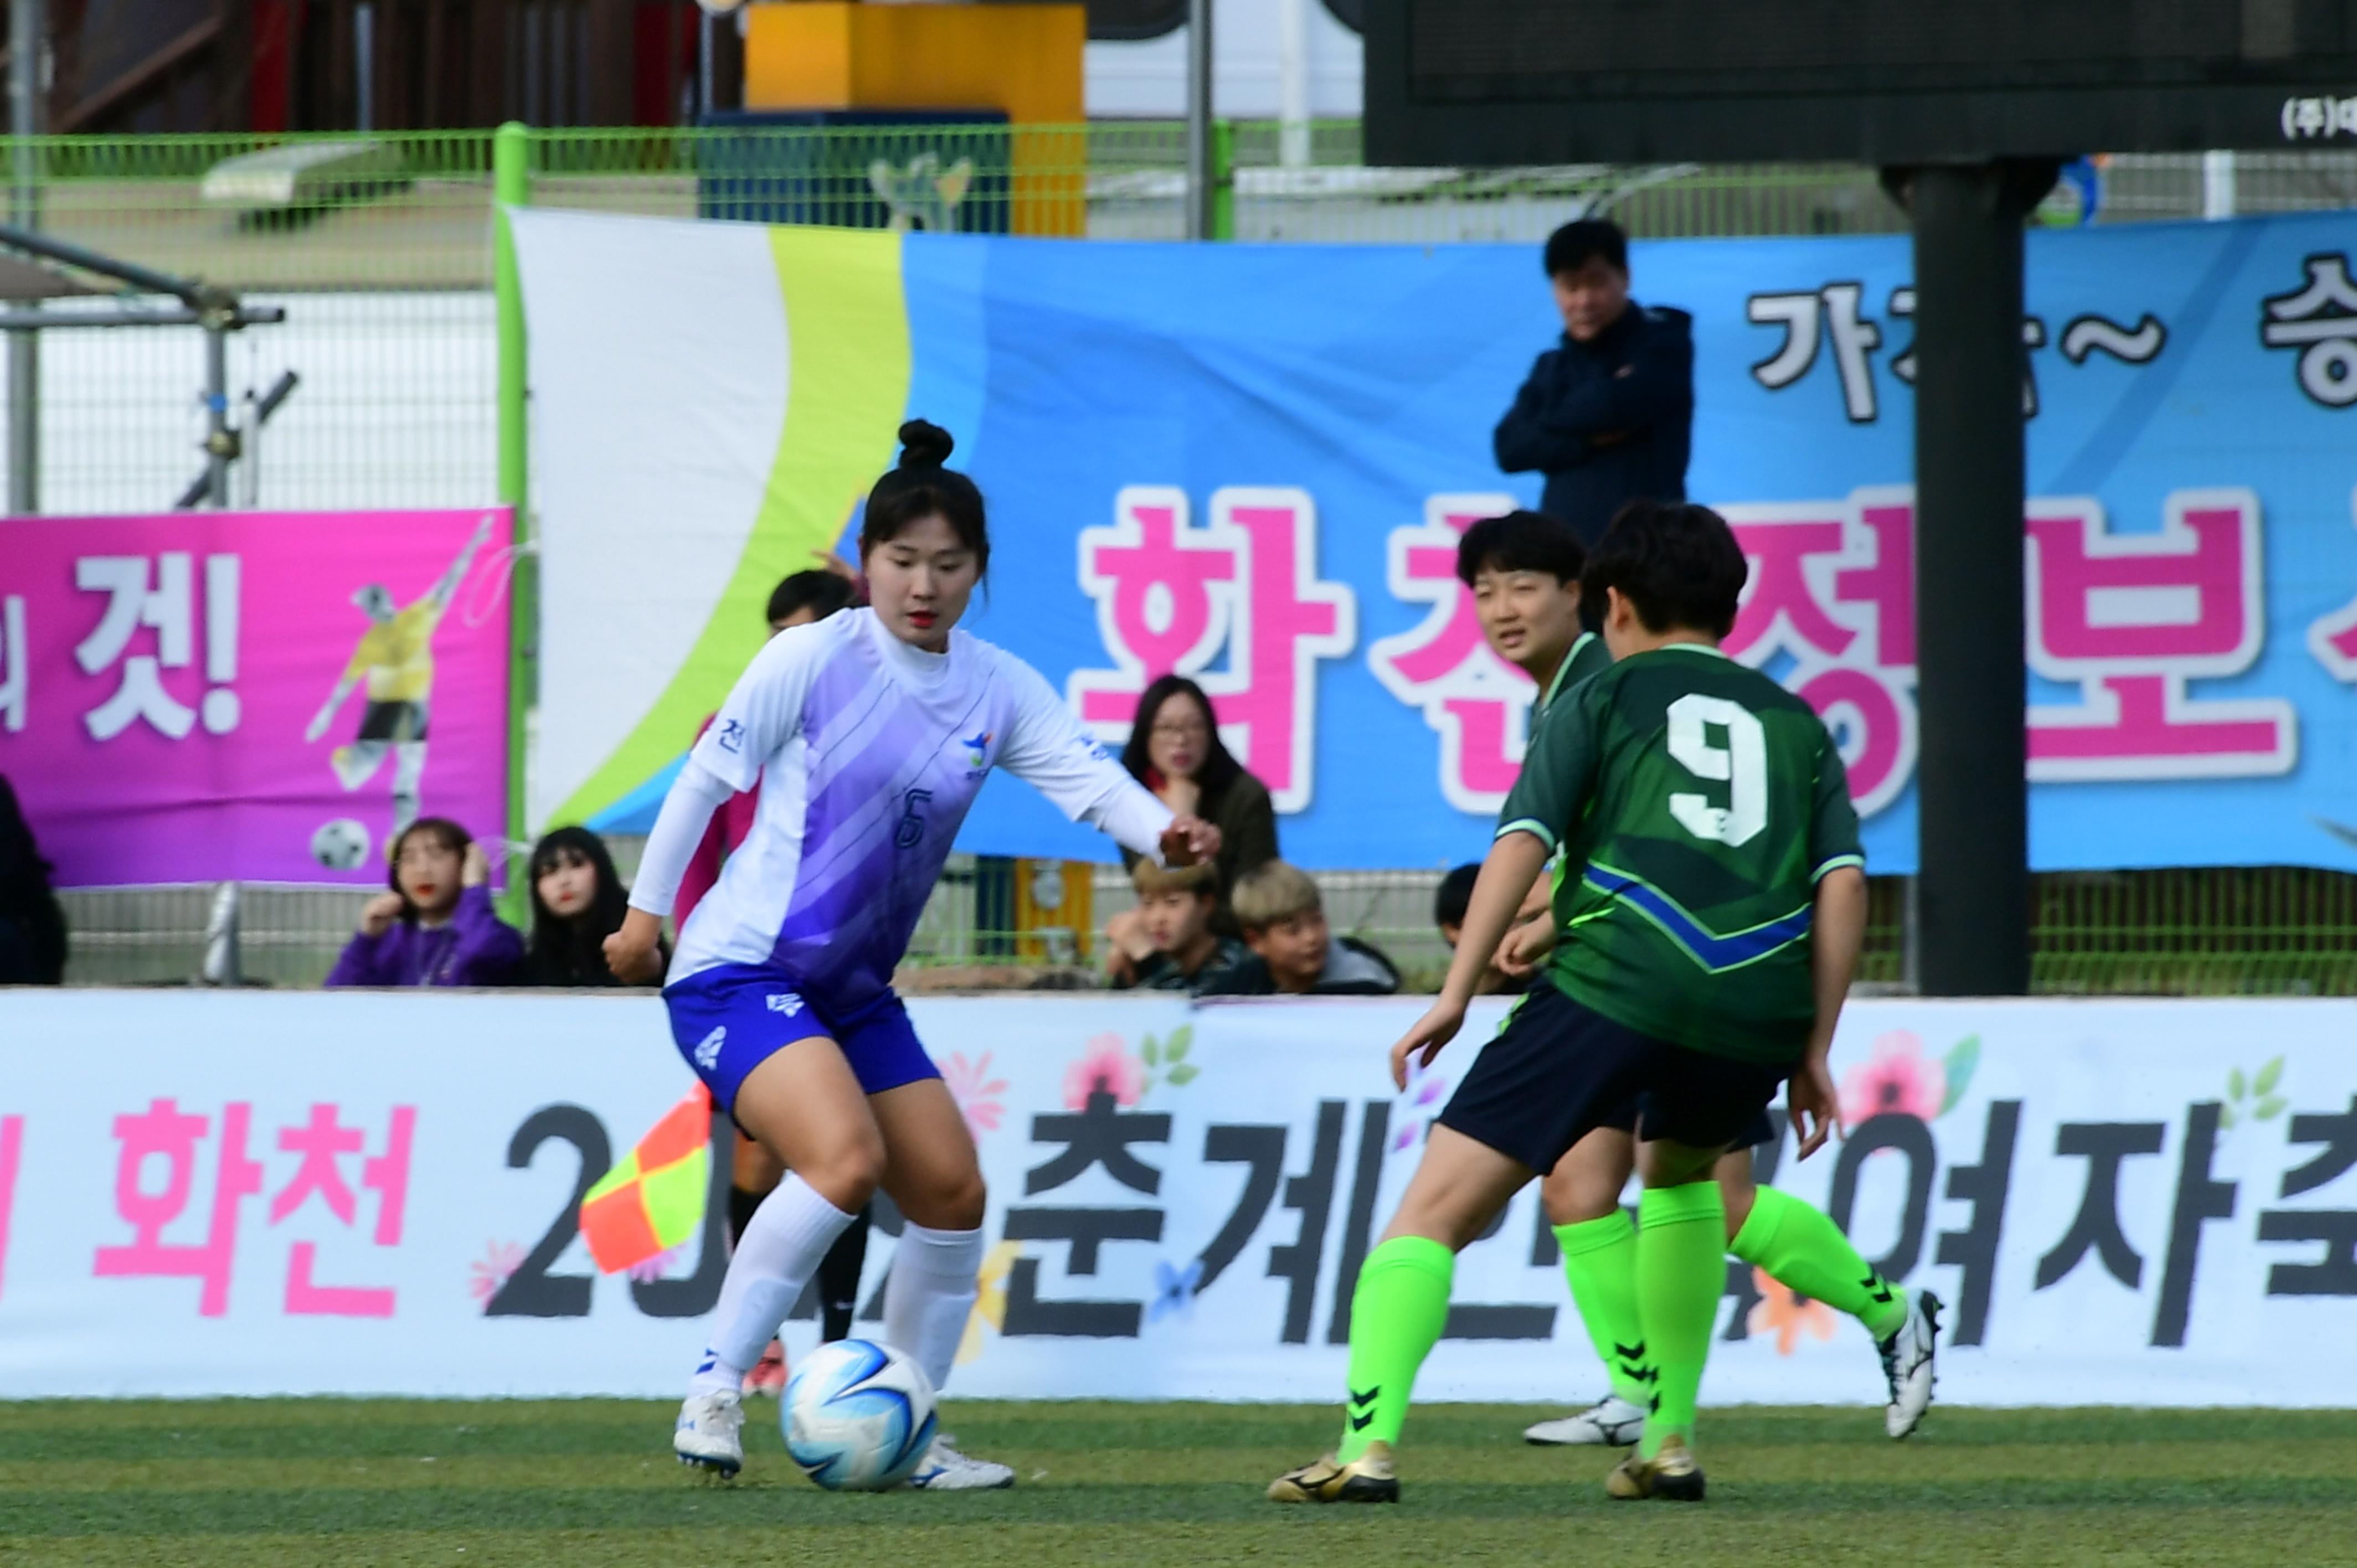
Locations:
1149 1052
2226 1117
1963 1058
1180 1038
2271 1106
2269 1076
2236 1089
1182 1075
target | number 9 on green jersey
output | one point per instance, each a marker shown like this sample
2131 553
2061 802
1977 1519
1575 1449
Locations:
1696 803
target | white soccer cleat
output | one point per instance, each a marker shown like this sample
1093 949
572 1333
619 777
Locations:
1610 1422
944 1469
711 1432
1908 1362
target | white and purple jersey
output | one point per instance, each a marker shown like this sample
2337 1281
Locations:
868 753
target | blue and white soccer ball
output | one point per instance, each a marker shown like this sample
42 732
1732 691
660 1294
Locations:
341 845
858 1417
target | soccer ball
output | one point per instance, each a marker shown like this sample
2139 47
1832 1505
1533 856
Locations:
858 1417
341 845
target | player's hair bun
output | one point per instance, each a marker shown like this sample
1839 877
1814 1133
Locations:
924 445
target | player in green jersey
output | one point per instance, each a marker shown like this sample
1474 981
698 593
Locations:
1524 572
1709 939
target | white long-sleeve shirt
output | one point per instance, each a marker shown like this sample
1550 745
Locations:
870 753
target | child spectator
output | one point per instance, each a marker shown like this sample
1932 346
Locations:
436 927
1449 905
1173 946
1294 952
577 902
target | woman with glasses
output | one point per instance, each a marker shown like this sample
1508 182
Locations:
1175 750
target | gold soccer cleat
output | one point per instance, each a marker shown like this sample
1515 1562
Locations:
1671 1474
1368 1478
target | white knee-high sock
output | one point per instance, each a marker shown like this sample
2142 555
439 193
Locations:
929 1294
774 1260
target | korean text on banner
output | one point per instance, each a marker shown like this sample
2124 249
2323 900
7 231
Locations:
2119 1208
1251 464
262 696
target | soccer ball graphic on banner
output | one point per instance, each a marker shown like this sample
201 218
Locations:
341 845
858 1417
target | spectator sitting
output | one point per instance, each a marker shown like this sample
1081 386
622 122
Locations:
1293 952
32 926
1608 413
1175 750
1174 947
1448 904
436 926
577 902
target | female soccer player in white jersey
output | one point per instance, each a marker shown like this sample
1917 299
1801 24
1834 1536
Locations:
871 732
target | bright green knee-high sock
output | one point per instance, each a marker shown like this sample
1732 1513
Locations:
1600 1260
1799 1245
1681 1274
1396 1315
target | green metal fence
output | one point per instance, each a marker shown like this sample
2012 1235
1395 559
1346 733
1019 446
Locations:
381 249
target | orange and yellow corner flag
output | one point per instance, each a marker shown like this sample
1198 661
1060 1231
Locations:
653 1200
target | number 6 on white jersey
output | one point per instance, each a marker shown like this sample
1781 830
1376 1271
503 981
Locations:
1742 763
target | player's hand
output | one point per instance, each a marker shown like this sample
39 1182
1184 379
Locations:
476 869
633 953
1189 841
379 913
1815 1111
1526 946
1432 1031
318 727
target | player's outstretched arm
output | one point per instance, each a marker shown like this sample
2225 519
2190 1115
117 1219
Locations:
327 713
447 588
1837 933
1514 863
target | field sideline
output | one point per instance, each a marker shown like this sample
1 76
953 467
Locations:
591 1482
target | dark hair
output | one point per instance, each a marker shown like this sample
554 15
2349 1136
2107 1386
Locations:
1521 542
825 592
571 950
1219 767
1677 563
455 839
1455 895
920 487
1569 248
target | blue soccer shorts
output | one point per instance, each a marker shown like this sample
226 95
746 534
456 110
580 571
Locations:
729 1019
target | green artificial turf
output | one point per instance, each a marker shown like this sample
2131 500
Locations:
592 1482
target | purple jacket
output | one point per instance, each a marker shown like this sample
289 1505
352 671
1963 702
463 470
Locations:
475 948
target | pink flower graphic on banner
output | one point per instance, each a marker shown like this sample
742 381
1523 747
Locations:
486 1273
975 1092
1899 1079
1108 1067
1787 1315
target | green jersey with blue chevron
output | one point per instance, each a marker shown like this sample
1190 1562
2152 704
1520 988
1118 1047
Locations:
1696 804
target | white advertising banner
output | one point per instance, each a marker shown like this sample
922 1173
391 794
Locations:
209 1193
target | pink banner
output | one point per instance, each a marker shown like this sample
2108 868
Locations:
262 696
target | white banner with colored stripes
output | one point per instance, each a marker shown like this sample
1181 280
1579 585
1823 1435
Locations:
205 1193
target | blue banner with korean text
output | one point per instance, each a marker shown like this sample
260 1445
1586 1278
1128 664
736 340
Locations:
1251 464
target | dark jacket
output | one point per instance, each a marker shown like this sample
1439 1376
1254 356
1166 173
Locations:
1246 818
474 947
32 926
1608 421
1353 968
